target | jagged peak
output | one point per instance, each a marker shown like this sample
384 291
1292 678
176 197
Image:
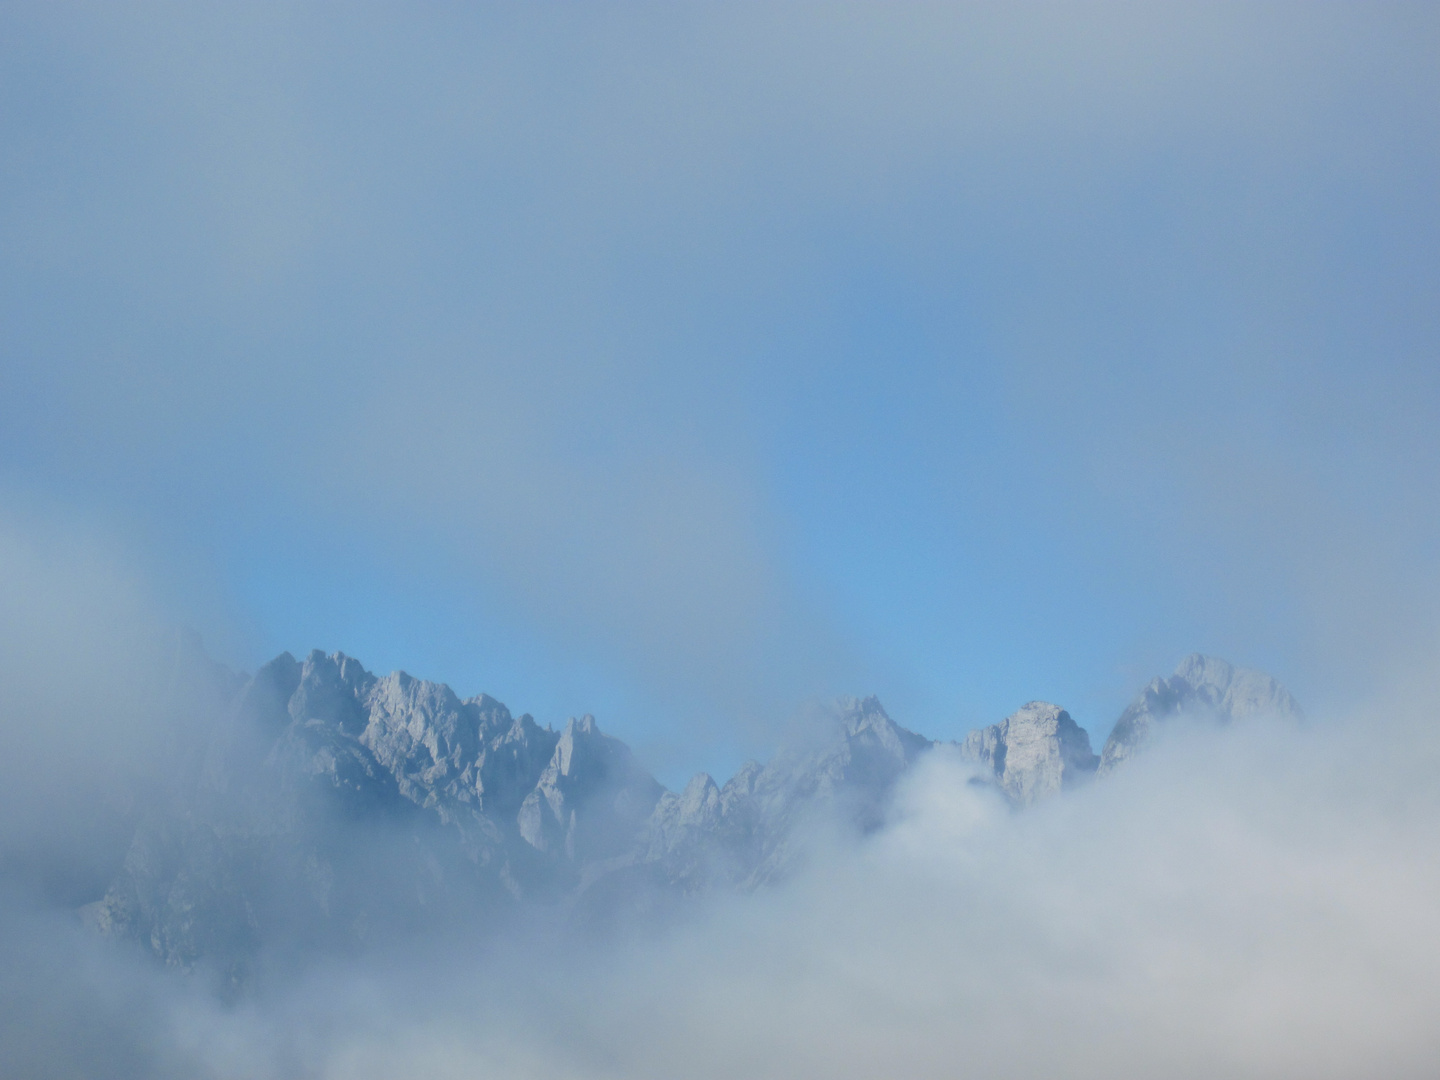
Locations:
404 686
1238 685
853 710
337 665
284 662
266 693
700 795
843 729
1204 686
699 783
1233 688
1046 709
1033 715
486 703
1033 753
840 720
743 781
582 741
584 726
1200 670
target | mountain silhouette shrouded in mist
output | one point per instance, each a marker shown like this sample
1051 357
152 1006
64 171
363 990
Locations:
332 809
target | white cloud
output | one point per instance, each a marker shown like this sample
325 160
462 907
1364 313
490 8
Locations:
1253 902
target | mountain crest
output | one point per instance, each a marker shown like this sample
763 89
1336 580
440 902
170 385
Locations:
1036 751
330 801
1202 687
591 798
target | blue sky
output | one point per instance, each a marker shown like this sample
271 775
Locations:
682 364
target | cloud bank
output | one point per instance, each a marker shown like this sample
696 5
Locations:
1255 901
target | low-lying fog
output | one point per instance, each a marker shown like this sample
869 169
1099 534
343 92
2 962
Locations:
1258 901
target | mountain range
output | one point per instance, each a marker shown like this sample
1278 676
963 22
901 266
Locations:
328 808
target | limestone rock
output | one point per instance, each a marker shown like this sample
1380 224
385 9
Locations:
1035 752
1202 687
591 799
843 770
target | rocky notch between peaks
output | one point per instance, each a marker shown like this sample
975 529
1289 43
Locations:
332 809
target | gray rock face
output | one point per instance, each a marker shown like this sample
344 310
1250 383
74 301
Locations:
1036 752
1203 687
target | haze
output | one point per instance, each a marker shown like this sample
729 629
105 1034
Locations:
690 365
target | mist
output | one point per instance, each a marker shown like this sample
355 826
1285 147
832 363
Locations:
698 369
1269 912
1257 900
1253 903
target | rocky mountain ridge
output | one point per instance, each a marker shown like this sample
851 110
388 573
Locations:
330 807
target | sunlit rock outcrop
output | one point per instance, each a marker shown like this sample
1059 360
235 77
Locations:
1035 752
